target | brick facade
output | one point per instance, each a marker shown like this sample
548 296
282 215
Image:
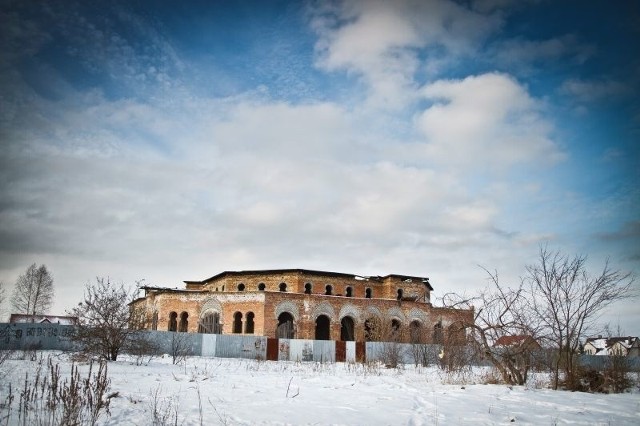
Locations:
303 304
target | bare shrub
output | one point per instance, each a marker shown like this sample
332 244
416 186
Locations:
142 347
180 347
616 378
163 410
106 322
47 399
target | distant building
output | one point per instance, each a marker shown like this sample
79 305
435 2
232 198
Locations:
304 304
43 319
518 341
621 346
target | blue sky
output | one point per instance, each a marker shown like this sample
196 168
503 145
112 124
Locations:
170 142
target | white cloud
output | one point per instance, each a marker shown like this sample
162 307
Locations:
484 122
380 41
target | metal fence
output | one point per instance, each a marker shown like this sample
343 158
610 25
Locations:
29 336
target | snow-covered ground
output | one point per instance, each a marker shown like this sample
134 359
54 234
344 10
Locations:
248 392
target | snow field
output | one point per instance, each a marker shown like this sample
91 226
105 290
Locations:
247 392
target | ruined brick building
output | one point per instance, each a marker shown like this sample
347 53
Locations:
304 304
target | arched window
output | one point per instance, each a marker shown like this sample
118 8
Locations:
399 294
307 288
210 324
283 287
395 334
154 321
237 323
415 332
240 287
328 290
261 286
249 325
438 336
372 329
184 322
367 293
349 292
285 329
173 322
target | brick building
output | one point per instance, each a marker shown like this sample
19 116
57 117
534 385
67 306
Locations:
304 304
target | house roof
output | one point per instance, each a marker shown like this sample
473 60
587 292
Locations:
513 340
603 345
43 319
424 280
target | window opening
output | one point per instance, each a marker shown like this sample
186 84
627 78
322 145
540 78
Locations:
173 322
249 324
184 323
237 323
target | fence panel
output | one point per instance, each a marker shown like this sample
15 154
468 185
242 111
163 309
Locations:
209 345
26 336
324 350
300 350
249 347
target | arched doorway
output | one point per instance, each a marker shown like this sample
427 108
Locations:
347 329
323 328
285 328
210 324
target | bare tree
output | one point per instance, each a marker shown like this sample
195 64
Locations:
33 293
107 324
2 297
499 313
568 300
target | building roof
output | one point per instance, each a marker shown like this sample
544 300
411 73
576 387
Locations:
43 319
603 345
424 280
514 340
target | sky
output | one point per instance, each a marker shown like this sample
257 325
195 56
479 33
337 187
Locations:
160 142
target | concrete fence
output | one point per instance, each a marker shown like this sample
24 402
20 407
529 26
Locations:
29 336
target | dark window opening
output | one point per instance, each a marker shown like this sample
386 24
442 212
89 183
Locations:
395 330
367 293
261 286
173 322
415 332
323 328
283 287
237 323
438 336
285 328
328 290
249 325
241 287
307 288
349 292
184 323
347 329
399 294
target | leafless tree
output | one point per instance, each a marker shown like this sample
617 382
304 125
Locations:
106 322
33 293
2 297
568 300
499 312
